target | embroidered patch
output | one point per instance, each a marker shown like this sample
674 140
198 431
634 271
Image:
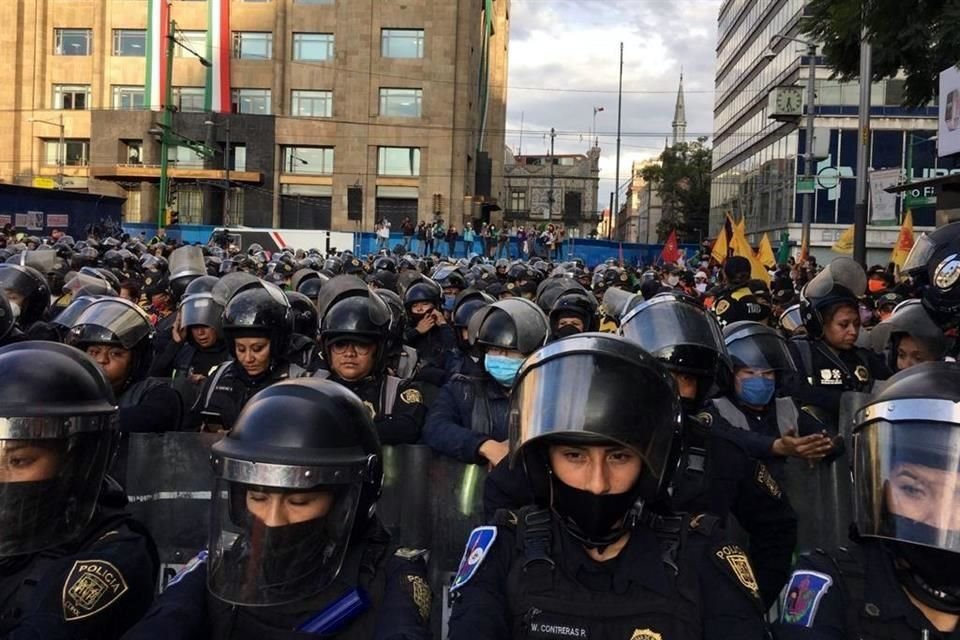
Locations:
830 376
767 481
412 396
705 418
645 634
722 307
803 595
195 562
862 373
91 587
478 544
736 559
421 595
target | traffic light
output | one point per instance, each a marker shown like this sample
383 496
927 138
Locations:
173 217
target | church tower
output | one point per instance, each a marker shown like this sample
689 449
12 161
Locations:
680 116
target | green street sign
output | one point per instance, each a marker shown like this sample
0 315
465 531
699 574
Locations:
806 185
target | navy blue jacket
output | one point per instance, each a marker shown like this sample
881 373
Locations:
467 412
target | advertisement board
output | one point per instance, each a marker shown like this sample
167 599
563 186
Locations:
948 131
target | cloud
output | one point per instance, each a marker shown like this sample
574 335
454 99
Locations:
564 59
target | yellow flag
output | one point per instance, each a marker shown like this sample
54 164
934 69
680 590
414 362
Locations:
765 252
844 243
741 247
904 241
719 251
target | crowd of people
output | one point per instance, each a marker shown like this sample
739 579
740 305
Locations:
637 426
487 240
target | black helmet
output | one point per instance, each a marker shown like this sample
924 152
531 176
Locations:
186 265
305 435
934 264
359 318
575 303
200 309
842 282
686 338
468 302
304 313
594 389
27 288
8 321
54 400
263 312
311 286
203 284
448 277
385 263
398 316
116 322
552 288
422 291
753 345
910 318
906 463
516 324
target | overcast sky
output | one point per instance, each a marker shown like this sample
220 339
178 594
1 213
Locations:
564 60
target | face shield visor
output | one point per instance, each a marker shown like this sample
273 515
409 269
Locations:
763 351
907 481
51 471
201 310
280 533
919 255
111 321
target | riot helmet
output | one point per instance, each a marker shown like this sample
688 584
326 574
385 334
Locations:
58 414
934 264
261 312
685 337
515 324
578 304
761 361
791 321
358 319
840 283
200 309
910 320
116 322
8 321
203 284
422 291
468 303
64 320
186 265
304 313
27 291
906 473
309 438
595 389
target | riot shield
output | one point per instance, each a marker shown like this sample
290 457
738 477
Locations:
187 262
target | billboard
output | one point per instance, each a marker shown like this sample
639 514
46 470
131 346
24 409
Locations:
948 132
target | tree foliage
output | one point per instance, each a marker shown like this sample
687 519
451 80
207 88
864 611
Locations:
682 181
921 37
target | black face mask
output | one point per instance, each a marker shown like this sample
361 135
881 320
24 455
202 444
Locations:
291 552
566 331
931 575
30 508
592 519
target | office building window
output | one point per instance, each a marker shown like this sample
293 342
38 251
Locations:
238 157
255 101
196 41
129 42
400 103
398 161
189 98
518 201
75 153
128 98
252 45
132 152
71 96
401 43
316 160
312 47
71 42
184 157
312 104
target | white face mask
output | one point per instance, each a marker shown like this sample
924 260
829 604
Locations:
673 280
701 287
14 309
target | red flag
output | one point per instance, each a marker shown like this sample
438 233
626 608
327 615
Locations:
671 252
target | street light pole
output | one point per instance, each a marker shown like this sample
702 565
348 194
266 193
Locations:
167 124
863 151
226 175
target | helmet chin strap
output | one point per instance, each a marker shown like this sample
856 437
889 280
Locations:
916 586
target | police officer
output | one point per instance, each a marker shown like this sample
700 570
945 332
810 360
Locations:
296 549
901 577
714 473
9 333
428 330
117 334
738 300
828 357
468 418
909 337
27 292
402 359
467 359
572 313
257 324
73 564
595 424
353 339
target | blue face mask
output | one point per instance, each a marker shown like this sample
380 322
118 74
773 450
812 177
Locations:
757 390
448 302
503 369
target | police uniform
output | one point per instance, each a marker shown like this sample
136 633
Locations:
738 303
527 578
395 405
228 388
394 579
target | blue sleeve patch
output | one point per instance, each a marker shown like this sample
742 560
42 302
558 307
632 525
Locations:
478 544
803 595
195 562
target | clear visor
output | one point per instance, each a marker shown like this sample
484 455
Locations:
91 285
791 320
763 351
919 255
49 489
271 546
646 417
200 310
109 317
907 482
664 323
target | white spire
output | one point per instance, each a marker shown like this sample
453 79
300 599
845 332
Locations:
679 115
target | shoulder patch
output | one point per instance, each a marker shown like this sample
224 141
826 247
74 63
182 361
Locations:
191 566
766 480
721 307
802 597
412 396
705 418
90 587
478 544
734 561
421 595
